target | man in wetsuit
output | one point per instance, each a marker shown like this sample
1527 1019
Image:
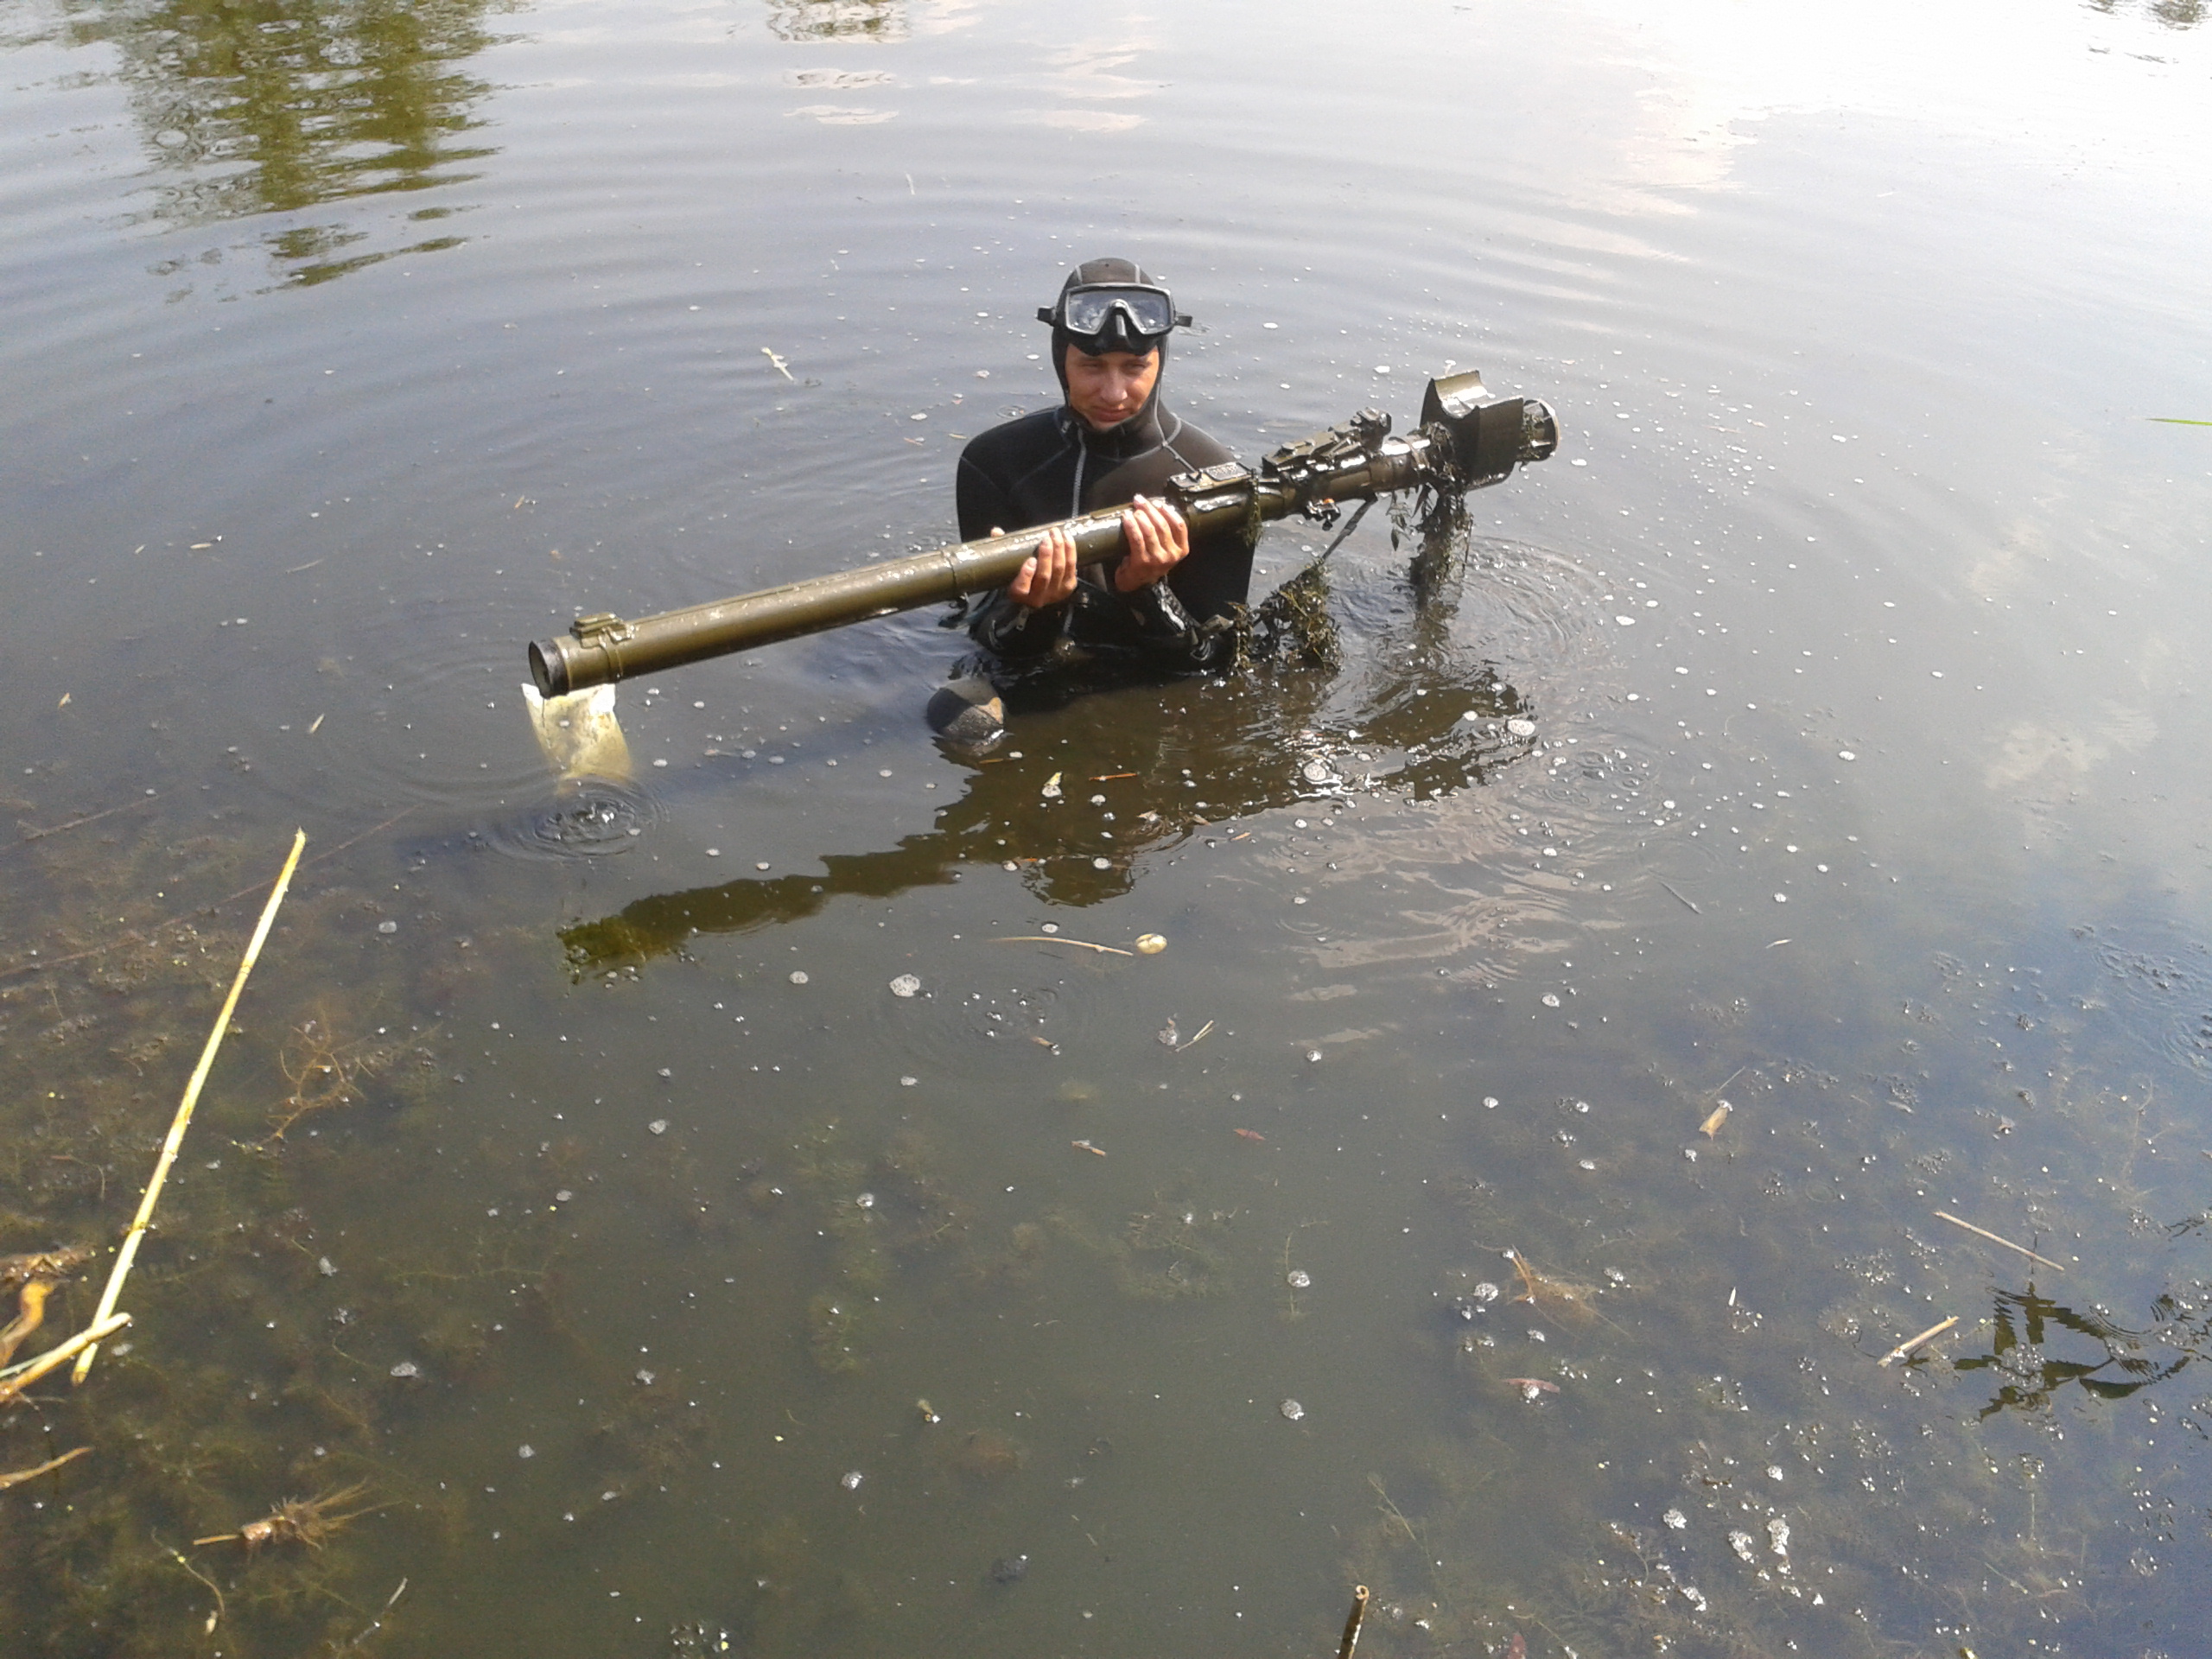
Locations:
1167 603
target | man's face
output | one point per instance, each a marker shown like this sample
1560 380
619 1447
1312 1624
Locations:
1106 391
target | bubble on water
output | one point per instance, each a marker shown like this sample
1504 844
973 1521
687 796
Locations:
798 976
645 1377
1101 864
387 927
908 1083
1774 1472
658 1126
1292 1409
1313 1056
1151 945
1551 999
1299 1279
324 1266
866 1200
407 1370
905 985
1522 728
1675 1519
1845 754
525 1451
1490 1102
850 1480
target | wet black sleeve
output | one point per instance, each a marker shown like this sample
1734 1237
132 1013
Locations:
987 495
980 499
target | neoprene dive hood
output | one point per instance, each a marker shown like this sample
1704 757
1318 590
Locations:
1110 305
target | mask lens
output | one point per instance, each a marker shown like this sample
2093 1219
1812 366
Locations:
1090 311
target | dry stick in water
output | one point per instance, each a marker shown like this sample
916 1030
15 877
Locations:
18 1476
29 1372
124 1256
1054 939
1903 1349
1945 1215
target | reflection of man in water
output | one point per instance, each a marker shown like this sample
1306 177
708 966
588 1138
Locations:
1167 604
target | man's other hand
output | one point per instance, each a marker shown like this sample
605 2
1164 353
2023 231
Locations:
1158 540
1046 576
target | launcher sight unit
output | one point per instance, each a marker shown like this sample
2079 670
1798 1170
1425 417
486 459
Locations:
1464 441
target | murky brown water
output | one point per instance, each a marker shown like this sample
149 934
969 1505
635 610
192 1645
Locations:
589 1195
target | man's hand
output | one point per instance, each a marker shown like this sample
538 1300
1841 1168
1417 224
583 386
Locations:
1046 576
1158 540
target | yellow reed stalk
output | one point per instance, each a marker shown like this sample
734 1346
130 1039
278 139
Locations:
22 1377
128 1253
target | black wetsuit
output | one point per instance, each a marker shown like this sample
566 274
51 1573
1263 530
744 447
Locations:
1051 465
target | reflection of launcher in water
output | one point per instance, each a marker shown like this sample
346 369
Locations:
1422 729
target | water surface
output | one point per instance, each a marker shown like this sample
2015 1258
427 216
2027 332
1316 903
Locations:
622 1214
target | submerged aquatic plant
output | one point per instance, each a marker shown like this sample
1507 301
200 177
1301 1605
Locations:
1562 1300
306 1521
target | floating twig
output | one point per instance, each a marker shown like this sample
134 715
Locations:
1193 1042
1670 887
16 1478
1359 1594
31 1370
124 1256
1085 1146
1903 1349
215 1617
78 823
376 1624
1945 1215
1055 939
